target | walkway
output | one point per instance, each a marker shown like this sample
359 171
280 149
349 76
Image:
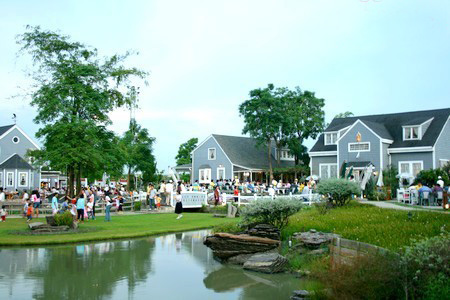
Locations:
393 205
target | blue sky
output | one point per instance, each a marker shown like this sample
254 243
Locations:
364 56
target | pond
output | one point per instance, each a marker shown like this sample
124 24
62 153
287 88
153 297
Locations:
172 266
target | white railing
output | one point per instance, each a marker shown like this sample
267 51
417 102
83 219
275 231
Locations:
308 199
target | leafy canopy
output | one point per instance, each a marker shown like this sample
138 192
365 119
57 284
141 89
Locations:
184 152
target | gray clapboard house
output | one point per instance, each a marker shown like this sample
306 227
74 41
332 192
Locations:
410 141
16 171
228 157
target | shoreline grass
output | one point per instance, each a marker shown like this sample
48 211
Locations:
387 228
120 227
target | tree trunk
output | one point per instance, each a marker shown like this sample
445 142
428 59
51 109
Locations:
78 180
270 162
129 179
71 178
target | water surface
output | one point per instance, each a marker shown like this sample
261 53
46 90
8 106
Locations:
174 266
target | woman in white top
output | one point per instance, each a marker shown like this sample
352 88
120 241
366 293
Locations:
108 205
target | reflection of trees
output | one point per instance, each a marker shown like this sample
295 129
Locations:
254 285
92 271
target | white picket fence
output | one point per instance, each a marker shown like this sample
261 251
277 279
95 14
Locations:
307 199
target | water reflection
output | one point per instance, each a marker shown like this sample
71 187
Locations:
174 266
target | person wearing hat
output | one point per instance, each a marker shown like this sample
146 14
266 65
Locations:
440 182
55 203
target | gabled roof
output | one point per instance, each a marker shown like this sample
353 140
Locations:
4 129
389 126
15 161
245 152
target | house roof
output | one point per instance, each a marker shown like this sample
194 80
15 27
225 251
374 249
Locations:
15 162
245 152
389 126
4 129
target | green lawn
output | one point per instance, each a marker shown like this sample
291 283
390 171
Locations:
388 228
119 227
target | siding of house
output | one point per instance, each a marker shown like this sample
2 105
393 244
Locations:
426 157
442 146
384 148
372 156
200 157
8 148
317 160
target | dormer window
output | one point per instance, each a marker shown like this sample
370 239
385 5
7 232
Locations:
286 155
331 138
411 133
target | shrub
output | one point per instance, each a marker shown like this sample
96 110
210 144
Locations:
137 206
427 264
64 219
338 190
275 212
390 180
228 228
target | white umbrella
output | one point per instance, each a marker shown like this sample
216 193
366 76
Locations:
367 174
314 177
380 179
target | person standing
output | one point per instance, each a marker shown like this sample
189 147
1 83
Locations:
36 202
440 182
216 196
29 212
179 206
151 197
80 207
3 213
169 191
55 203
108 205
162 191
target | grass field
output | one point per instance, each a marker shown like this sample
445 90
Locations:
120 227
388 228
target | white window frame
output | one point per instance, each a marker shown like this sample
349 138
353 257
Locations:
7 179
328 170
217 173
331 133
207 173
410 162
26 179
359 143
286 155
215 154
443 162
410 128
18 139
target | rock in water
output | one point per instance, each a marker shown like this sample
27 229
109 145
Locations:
266 263
300 294
313 239
225 245
36 225
265 231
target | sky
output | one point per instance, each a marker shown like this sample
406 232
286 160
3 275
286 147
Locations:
363 56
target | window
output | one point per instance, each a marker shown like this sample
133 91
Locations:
331 138
204 175
443 162
286 155
410 167
220 173
15 140
10 179
411 133
327 171
23 179
211 153
358 147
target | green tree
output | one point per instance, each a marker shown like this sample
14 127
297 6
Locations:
305 119
185 150
75 89
346 114
137 146
263 118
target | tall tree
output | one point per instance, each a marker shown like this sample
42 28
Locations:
263 115
74 92
185 150
137 146
305 119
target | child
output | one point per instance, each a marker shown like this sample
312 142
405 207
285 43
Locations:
178 206
25 209
29 212
90 206
158 202
236 194
3 213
